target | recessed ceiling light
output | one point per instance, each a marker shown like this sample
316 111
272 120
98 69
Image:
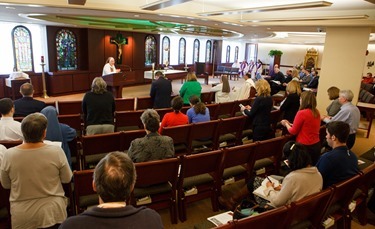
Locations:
136 15
10 8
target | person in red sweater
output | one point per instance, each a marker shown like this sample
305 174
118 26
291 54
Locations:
306 125
176 117
369 78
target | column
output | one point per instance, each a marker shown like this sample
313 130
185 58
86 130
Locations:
343 60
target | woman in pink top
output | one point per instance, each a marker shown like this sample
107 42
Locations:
174 118
306 125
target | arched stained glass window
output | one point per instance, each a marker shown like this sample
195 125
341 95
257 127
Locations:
236 50
228 54
182 51
208 51
166 50
150 50
22 49
66 49
196 51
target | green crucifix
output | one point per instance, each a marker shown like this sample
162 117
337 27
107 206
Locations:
119 40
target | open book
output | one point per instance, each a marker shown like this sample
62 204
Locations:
260 191
221 218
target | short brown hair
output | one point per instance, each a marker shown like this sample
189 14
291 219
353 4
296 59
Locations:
114 177
6 105
27 89
177 103
333 93
33 127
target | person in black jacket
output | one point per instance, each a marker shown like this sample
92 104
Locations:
290 105
114 179
260 112
27 104
161 90
314 81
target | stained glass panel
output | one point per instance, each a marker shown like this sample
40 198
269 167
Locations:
66 49
208 51
166 50
236 50
196 51
181 51
228 54
150 50
22 49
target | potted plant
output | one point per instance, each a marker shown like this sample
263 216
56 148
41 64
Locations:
275 53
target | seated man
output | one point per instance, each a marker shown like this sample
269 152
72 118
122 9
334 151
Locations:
114 179
314 82
348 113
27 104
340 163
10 130
153 146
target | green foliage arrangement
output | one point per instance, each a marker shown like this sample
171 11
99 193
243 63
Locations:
275 53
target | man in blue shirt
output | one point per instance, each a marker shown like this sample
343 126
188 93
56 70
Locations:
340 163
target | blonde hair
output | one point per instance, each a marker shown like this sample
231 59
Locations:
308 101
295 73
293 87
98 86
191 77
263 88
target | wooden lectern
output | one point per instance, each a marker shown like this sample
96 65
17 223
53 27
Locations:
115 82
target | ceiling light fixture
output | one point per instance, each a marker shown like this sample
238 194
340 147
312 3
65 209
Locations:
162 4
269 8
349 17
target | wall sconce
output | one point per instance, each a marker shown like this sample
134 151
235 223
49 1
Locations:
370 64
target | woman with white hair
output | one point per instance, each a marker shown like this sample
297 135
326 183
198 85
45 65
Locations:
98 107
109 67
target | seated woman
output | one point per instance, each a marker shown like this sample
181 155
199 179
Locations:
306 125
222 90
290 105
198 111
58 132
153 146
190 87
294 186
334 107
176 117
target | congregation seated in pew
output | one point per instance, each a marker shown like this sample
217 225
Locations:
153 146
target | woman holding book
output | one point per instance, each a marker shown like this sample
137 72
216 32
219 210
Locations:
294 186
306 125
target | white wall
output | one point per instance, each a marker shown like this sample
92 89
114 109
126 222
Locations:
292 54
369 57
39 43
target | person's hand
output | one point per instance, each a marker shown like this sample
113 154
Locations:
278 188
118 70
269 184
248 107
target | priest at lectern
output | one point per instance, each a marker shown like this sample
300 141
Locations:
109 67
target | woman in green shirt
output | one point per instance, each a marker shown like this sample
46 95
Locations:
190 87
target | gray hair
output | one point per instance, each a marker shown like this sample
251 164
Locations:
151 120
347 94
98 86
